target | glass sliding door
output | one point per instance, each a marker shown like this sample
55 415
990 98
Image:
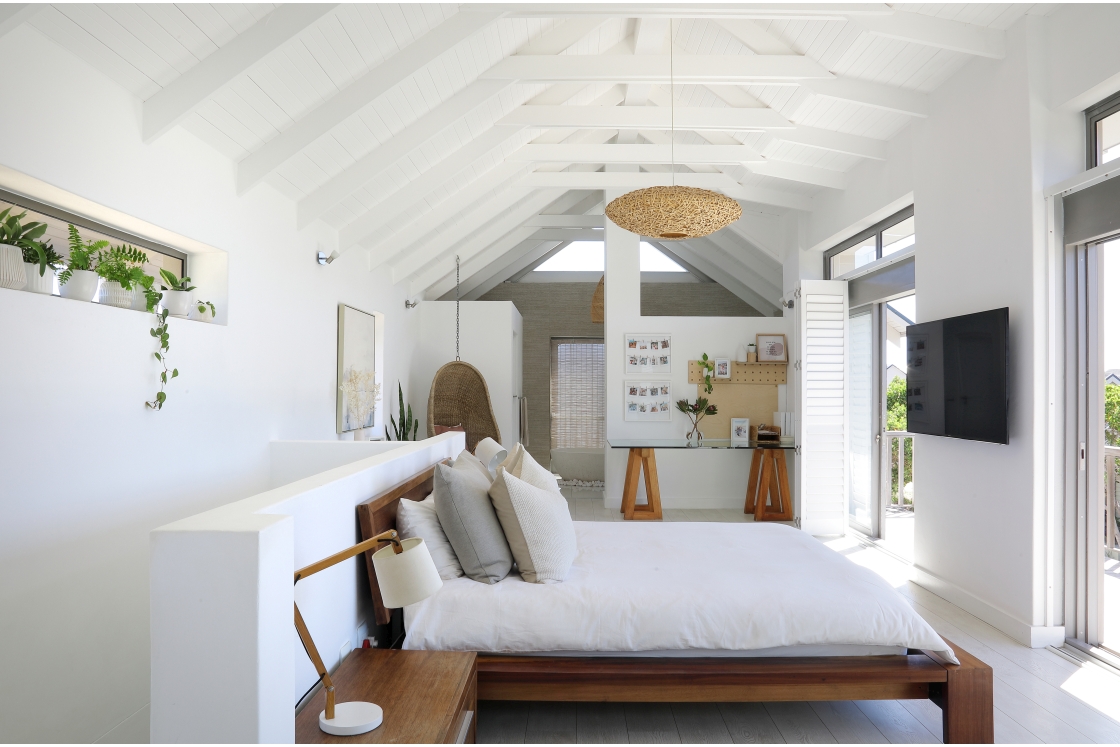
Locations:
864 405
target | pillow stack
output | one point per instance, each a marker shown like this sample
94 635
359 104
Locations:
479 527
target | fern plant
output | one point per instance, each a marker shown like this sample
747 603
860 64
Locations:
83 254
406 429
122 264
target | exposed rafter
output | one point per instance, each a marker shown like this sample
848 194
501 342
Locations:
321 120
940 33
568 221
837 142
648 118
182 96
637 153
13 15
698 69
714 263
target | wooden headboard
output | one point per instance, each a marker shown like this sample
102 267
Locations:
379 514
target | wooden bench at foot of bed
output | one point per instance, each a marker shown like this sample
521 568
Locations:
963 692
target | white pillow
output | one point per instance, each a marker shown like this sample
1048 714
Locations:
468 461
522 466
418 519
537 526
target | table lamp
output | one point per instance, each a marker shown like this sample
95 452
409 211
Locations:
406 574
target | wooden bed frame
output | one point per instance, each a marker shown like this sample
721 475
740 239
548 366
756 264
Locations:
964 692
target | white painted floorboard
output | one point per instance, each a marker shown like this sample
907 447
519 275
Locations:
1039 695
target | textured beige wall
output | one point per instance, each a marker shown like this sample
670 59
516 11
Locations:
564 310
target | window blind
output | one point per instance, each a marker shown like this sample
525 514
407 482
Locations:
577 393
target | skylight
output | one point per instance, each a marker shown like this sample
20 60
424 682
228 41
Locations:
587 256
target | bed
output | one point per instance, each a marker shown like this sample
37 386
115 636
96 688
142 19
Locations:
655 612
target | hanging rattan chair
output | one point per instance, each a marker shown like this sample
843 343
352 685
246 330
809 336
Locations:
459 396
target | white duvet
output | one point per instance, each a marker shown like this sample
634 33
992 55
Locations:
685 588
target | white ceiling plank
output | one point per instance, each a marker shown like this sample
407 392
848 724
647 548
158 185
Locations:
358 94
647 118
837 142
428 223
568 234
939 33
389 209
686 69
875 95
761 11
798 173
14 15
568 221
341 185
186 93
562 36
504 228
714 264
755 37
635 180
635 153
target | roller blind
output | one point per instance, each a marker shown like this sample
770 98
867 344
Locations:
577 393
882 284
1093 213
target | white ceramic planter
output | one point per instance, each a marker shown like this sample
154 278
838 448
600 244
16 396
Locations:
203 316
37 283
12 272
178 303
114 294
82 286
138 302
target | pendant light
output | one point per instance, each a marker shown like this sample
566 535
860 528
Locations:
673 213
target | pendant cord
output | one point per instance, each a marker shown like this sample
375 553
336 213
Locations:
456 307
672 110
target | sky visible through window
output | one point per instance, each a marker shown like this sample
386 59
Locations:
587 256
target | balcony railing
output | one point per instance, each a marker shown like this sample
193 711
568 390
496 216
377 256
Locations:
1111 460
898 453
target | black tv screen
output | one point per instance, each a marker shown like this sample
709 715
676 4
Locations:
956 377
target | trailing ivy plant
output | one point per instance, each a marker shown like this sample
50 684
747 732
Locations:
83 254
171 282
14 232
203 305
162 336
405 430
43 255
708 367
122 264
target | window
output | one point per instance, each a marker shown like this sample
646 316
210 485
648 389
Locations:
588 256
57 233
577 393
1103 136
890 236
652 259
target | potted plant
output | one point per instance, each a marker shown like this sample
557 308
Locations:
145 293
15 236
41 262
176 294
752 353
120 268
206 311
696 412
79 281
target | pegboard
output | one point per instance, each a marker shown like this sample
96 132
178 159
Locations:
743 373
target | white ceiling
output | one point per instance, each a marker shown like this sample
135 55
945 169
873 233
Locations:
400 125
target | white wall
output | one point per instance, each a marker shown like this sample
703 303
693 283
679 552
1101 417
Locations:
294 460
699 478
85 471
490 339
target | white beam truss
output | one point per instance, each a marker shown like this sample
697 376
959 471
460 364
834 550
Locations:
568 221
697 69
759 11
636 153
732 275
940 33
647 118
14 15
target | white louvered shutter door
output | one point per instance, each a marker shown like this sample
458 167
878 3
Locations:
823 465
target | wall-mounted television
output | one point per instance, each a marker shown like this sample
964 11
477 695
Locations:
957 377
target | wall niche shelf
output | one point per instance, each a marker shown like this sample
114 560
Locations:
743 373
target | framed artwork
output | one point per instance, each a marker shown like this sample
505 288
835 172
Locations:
646 353
648 401
723 369
358 387
740 430
772 349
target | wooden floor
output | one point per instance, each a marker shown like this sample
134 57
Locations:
1040 696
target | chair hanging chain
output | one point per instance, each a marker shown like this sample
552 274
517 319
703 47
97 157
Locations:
456 307
672 110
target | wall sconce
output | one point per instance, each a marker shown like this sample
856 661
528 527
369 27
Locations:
410 304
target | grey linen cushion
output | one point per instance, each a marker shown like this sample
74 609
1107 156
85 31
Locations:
469 521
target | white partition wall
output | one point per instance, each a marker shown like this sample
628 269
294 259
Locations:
822 385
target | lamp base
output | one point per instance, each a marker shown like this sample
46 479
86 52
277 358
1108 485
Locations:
355 717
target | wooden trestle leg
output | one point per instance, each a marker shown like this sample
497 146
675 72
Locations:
641 460
768 494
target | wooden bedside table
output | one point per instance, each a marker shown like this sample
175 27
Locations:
427 696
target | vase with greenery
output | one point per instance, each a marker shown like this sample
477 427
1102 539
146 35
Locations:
121 268
16 237
79 280
41 263
177 293
696 411
406 429
206 311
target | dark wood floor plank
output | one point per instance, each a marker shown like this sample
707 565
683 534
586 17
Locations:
600 723
895 722
700 723
749 723
848 723
501 722
651 723
799 723
927 713
551 723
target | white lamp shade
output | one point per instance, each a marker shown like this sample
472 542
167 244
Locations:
490 453
407 577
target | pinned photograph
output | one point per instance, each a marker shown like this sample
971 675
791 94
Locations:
643 392
632 343
633 391
647 353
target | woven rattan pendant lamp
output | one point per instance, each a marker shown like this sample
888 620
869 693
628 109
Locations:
673 213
